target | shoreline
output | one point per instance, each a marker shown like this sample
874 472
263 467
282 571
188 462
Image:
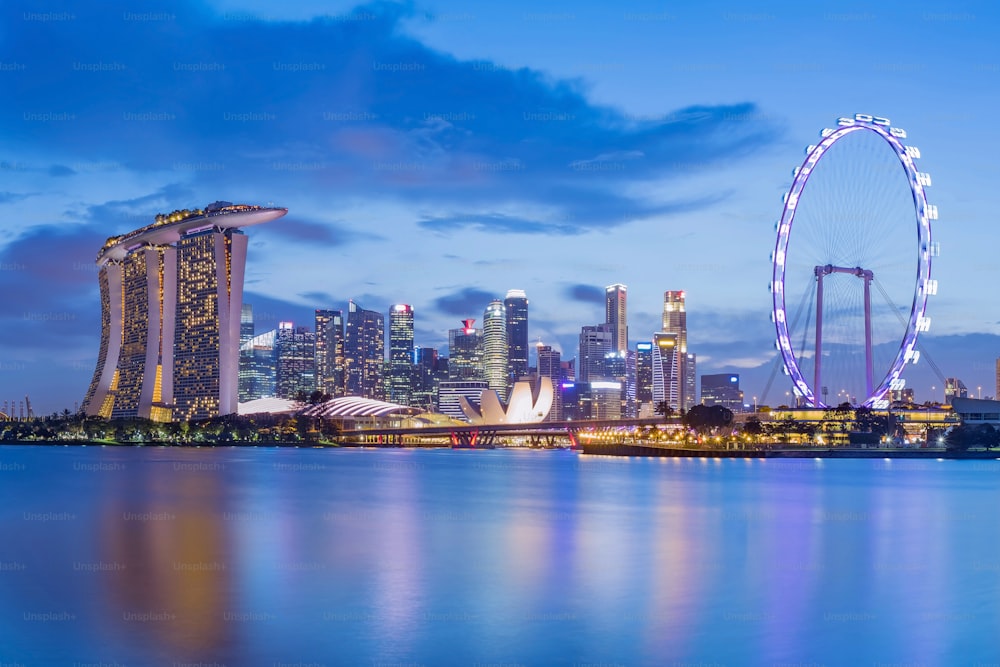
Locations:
619 450
790 453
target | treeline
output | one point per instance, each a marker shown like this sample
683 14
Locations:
229 429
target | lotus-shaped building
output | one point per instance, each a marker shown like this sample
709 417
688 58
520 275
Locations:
530 402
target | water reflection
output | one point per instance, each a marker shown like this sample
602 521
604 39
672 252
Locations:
498 557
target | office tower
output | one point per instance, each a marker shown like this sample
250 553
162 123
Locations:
495 347
954 388
465 353
644 380
516 307
246 353
261 374
629 405
246 324
426 377
171 309
550 366
722 389
295 361
330 352
600 399
400 353
675 322
690 381
666 371
595 343
615 314
616 369
364 352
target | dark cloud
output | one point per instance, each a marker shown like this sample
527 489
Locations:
11 197
124 215
468 302
58 170
585 293
48 280
324 233
347 106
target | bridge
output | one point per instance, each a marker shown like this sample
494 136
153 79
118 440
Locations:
486 436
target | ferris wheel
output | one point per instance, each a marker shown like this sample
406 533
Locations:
850 278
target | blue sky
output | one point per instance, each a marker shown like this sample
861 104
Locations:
439 154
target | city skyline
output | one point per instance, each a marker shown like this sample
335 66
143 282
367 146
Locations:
555 165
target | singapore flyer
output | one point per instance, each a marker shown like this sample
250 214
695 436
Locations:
852 265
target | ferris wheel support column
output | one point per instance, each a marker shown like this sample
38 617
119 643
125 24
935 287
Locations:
867 277
820 272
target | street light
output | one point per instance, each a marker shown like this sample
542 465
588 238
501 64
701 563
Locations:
755 404
979 392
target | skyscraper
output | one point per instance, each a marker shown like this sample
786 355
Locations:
400 354
644 380
465 352
550 366
295 361
595 343
495 347
260 378
330 352
516 305
690 381
427 375
171 310
246 323
246 352
364 352
616 315
666 371
675 322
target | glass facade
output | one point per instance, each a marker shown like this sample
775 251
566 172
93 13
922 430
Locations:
364 352
516 307
401 354
495 347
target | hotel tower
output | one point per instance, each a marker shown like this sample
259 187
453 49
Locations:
171 300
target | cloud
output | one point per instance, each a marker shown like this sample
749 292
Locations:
464 303
325 233
585 293
11 197
350 107
50 293
59 170
496 223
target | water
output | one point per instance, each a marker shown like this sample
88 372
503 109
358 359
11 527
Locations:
146 556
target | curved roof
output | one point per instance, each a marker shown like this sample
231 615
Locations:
169 228
356 406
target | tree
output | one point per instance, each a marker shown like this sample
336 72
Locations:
318 397
753 428
868 421
705 418
958 438
664 408
987 436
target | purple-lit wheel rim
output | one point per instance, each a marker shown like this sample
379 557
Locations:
917 319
